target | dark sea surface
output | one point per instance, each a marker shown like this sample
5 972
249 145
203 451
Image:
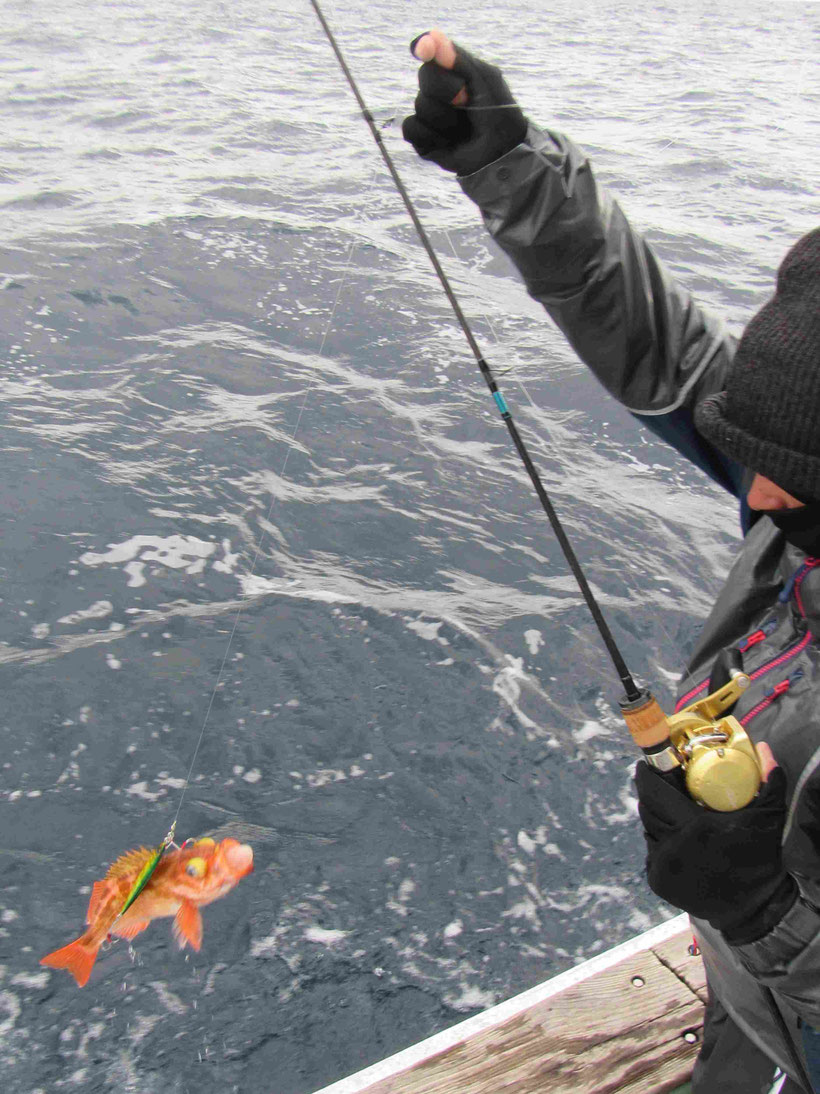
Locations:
234 402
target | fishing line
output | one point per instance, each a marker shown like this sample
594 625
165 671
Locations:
168 840
633 693
146 872
291 445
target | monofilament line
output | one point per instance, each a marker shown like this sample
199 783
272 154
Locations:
291 445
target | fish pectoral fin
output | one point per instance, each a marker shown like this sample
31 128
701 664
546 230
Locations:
188 925
129 930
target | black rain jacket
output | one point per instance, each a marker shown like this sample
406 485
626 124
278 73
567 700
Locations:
659 354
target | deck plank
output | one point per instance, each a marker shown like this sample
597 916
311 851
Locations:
631 1029
674 953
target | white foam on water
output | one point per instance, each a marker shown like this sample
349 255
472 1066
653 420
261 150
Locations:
627 800
406 889
164 779
325 937
670 676
172 1003
324 777
99 610
427 631
526 908
526 842
141 1025
177 552
253 585
33 980
270 944
136 574
469 998
589 730
508 682
140 790
9 1003
227 564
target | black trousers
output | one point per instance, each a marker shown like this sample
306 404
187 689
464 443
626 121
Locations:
729 1063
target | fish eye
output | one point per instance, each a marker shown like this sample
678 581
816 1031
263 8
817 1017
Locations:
196 867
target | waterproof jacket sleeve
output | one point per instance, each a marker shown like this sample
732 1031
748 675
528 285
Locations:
787 959
639 331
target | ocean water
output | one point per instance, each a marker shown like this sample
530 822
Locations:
253 487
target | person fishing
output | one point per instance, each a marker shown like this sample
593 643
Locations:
747 413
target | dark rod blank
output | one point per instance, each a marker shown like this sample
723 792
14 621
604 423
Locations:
630 687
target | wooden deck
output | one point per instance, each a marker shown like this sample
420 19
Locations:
629 1021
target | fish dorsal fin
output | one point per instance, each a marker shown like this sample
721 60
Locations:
130 863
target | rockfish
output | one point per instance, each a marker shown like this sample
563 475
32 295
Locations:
183 880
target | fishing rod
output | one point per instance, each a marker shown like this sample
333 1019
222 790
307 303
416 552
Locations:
713 750
630 687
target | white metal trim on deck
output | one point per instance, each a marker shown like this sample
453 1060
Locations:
439 1042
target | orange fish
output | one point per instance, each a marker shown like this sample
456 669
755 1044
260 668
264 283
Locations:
182 881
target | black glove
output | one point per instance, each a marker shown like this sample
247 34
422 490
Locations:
725 868
463 138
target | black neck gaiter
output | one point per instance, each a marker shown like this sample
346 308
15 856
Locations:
800 527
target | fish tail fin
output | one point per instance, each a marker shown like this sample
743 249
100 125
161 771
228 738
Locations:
78 957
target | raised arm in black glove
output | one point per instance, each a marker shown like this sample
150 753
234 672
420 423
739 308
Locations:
465 114
725 868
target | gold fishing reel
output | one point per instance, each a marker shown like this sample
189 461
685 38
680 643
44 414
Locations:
720 765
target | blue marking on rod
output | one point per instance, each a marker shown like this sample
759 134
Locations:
499 398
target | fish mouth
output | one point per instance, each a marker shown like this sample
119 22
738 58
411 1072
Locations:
238 858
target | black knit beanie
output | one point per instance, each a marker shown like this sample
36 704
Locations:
768 418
